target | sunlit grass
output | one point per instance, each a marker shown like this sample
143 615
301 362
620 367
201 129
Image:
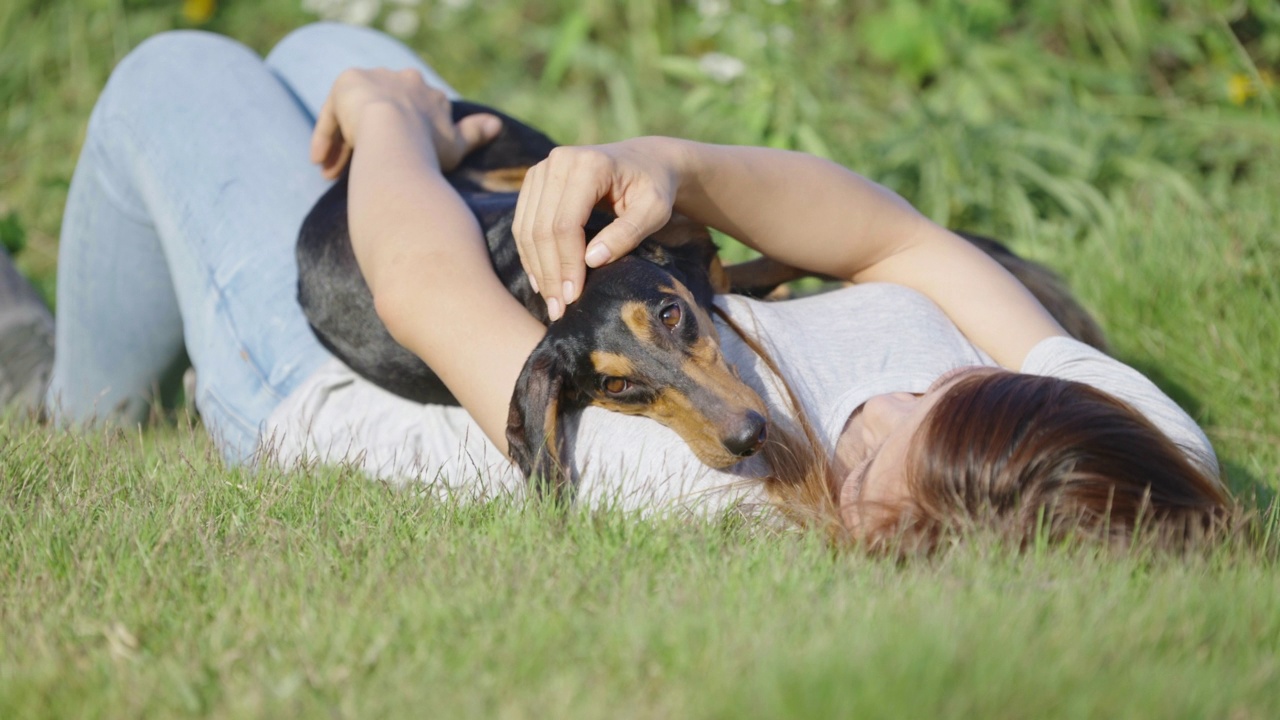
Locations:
141 577
1112 140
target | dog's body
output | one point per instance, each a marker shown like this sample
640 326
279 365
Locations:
639 340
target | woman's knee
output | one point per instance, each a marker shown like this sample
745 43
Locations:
310 58
166 67
329 38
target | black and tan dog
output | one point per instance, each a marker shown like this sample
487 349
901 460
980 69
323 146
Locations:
640 339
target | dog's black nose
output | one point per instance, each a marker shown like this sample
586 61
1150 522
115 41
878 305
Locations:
750 437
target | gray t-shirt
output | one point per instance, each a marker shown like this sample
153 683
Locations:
836 350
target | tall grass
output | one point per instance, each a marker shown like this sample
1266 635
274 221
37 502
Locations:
141 578
1130 143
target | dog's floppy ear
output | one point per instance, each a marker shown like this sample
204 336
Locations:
533 424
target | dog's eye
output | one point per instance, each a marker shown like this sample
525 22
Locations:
671 315
614 385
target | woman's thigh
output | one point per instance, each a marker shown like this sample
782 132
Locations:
180 230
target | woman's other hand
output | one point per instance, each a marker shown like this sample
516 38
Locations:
636 179
358 90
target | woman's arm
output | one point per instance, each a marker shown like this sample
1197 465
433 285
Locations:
795 208
418 245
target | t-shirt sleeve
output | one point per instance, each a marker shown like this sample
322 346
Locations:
1069 359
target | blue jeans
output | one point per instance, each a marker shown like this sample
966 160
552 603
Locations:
181 221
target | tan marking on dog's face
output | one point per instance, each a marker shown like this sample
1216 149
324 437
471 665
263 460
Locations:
635 315
674 409
722 400
707 368
691 389
703 434
500 180
612 364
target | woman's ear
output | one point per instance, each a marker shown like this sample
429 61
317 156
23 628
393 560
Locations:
533 425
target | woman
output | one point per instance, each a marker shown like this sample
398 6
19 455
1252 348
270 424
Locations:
179 232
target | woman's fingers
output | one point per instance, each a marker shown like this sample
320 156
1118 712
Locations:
522 224
568 239
322 133
357 90
472 132
642 218
329 148
552 227
556 201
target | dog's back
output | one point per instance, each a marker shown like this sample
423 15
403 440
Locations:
337 301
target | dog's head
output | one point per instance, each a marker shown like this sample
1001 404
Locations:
639 341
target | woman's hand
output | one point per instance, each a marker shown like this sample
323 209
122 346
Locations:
638 180
356 91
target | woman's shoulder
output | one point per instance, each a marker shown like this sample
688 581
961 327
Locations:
1070 359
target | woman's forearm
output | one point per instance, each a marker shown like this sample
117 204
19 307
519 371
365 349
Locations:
818 216
796 208
424 258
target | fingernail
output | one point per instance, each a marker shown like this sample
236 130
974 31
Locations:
597 255
534 284
569 294
553 308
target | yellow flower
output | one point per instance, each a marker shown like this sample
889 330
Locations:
1240 88
198 11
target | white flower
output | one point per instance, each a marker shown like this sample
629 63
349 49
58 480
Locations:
720 67
403 22
361 12
327 9
709 9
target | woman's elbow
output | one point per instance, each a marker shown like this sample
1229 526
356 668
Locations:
395 304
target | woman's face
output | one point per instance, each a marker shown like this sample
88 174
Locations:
876 441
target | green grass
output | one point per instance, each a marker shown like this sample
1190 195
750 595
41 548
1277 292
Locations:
139 577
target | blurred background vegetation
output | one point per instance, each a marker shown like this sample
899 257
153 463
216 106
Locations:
1015 118
1130 143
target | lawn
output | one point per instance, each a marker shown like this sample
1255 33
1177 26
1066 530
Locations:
1130 144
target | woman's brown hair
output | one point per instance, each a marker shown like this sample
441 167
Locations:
1032 456
1024 455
